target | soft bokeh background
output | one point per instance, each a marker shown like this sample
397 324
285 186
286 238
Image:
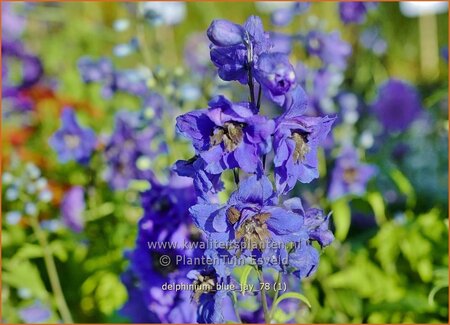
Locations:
390 261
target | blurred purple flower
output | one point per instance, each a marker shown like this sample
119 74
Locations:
131 140
444 53
283 16
196 54
349 175
71 141
13 24
329 47
72 208
102 71
371 39
35 314
355 12
14 51
397 105
166 221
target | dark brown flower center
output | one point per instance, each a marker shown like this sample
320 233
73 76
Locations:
203 284
301 146
230 134
253 231
350 175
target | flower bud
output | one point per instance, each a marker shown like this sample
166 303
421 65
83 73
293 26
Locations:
224 33
274 71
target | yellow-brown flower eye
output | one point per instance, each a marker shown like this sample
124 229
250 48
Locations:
254 231
231 134
301 147
233 215
203 284
350 175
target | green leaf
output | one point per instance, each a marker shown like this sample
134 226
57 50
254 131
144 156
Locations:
25 275
341 217
291 295
404 185
28 251
244 277
110 293
376 201
58 249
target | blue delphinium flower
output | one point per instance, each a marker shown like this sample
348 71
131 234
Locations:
206 184
72 208
244 53
227 135
253 226
250 223
235 47
355 12
215 305
135 307
305 258
296 140
397 105
276 75
71 141
349 175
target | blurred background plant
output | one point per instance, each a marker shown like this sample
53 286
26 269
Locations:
127 70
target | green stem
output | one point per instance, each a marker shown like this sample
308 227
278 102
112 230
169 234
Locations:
235 307
277 293
264 298
143 45
52 272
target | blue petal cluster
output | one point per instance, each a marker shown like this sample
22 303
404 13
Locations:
71 141
256 224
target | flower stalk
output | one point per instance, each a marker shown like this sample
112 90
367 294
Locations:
52 272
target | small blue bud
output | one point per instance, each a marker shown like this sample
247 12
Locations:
224 33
